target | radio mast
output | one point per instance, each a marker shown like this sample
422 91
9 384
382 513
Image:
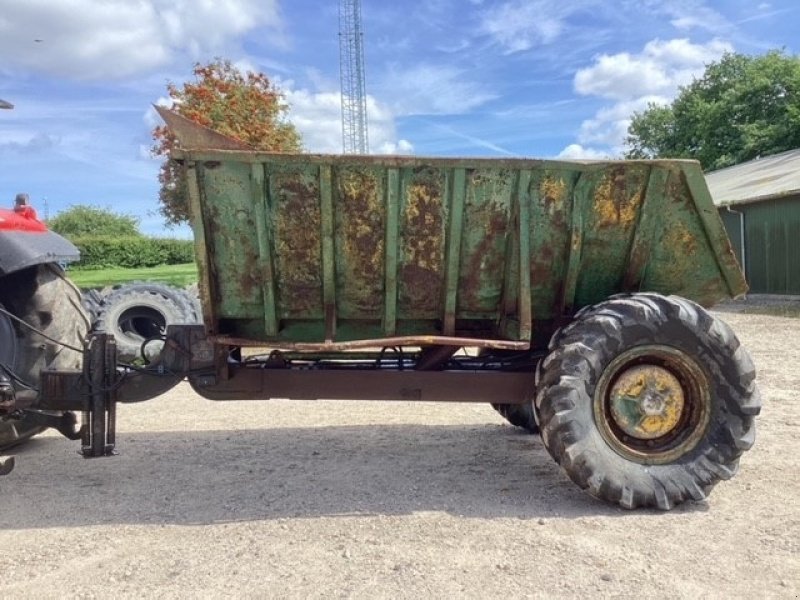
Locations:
355 139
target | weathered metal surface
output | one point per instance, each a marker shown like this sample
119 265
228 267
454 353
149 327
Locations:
193 135
434 386
322 250
407 340
769 177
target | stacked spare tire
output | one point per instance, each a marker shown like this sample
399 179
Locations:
137 315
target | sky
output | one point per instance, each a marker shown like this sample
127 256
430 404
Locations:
535 78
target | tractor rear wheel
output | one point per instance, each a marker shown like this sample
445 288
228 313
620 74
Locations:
46 300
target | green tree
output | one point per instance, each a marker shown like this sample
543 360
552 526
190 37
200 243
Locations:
83 220
741 108
244 106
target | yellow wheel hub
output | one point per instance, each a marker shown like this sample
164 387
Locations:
646 402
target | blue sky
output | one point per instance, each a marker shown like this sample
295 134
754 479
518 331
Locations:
541 78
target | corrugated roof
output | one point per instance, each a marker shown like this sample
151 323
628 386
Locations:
760 179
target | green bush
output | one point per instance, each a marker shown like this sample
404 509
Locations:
132 252
84 221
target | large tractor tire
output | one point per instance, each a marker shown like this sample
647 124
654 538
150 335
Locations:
45 299
647 401
138 315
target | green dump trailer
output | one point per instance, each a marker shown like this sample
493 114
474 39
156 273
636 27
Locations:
569 295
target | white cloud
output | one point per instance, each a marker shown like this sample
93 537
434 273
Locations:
609 126
578 152
636 80
660 68
431 90
86 39
318 117
401 147
520 25
686 15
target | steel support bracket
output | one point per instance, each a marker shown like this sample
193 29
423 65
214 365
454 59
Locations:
98 433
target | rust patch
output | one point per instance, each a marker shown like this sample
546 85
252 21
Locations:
298 245
486 218
360 218
680 240
676 189
614 205
250 281
423 245
482 275
553 192
679 249
234 263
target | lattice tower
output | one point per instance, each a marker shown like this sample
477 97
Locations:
355 139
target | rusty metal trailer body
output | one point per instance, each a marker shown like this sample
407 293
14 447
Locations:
336 252
577 286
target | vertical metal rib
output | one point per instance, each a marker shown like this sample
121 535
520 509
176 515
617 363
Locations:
328 258
581 191
509 297
202 251
458 193
639 254
391 250
260 196
524 304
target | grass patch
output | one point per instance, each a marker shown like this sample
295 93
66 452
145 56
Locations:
177 275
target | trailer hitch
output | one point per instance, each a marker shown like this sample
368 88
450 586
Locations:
98 433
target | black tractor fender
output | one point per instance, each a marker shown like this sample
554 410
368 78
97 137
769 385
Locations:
22 249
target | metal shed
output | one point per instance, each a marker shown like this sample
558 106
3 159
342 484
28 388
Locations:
759 202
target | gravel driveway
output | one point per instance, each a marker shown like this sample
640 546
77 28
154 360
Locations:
358 499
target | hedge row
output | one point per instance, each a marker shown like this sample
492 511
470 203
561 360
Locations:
133 252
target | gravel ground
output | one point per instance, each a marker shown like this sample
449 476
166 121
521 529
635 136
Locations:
358 499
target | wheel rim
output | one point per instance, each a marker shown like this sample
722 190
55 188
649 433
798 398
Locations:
652 404
142 322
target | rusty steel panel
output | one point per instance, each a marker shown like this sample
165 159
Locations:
360 224
423 215
313 251
487 225
295 221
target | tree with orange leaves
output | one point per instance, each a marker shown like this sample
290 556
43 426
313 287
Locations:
243 106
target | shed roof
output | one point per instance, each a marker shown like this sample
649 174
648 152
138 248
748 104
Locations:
760 179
